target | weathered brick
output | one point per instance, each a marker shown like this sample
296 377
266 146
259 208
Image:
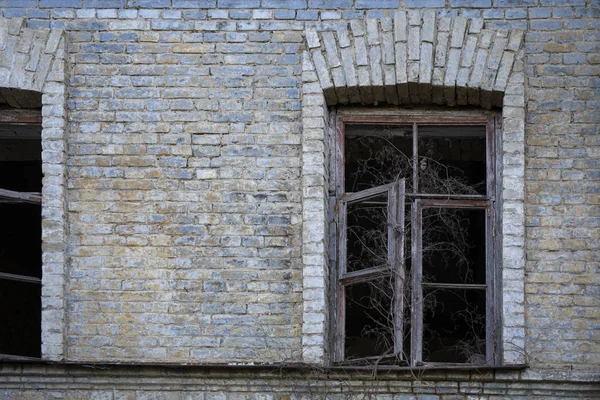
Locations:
60 3
287 4
194 3
197 167
425 3
471 3
329 3
238 3
376 4
103 3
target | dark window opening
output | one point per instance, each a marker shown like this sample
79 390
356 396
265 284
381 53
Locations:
20 238
415 250
369 330
454 326
377 155
453 246
452 159
367 234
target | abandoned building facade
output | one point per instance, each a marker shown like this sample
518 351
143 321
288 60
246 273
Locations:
286 199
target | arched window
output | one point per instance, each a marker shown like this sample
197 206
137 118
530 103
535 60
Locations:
384 69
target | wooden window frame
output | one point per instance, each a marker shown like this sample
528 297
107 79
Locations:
395 223
20 117
420 200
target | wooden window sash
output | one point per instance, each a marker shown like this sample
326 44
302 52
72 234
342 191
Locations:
396 257
417 275
395 235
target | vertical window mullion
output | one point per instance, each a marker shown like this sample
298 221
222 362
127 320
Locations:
415 158
340 340
489 159
340 326
340 158
396 232
491 334
416 339
490 327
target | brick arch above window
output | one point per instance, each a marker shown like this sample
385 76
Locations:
33 62
408 59
414 59
29 56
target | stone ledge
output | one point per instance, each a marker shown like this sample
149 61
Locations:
74 371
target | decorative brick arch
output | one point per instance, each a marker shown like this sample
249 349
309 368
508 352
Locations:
408 59
35 60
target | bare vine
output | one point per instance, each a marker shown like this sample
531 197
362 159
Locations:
446 245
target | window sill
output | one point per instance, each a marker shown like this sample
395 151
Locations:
15 358
430 367
291 366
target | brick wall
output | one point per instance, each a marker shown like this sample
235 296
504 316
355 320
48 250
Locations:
184 190
184 173
233 383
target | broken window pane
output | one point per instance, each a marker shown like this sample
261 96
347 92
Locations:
377 155
453 245
454 325
369 318
452 159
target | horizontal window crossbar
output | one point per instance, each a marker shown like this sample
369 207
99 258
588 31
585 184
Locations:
20 116
19 278
448 196
364 275
353 197
20 197
454 286
439 197
404 120
450 203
